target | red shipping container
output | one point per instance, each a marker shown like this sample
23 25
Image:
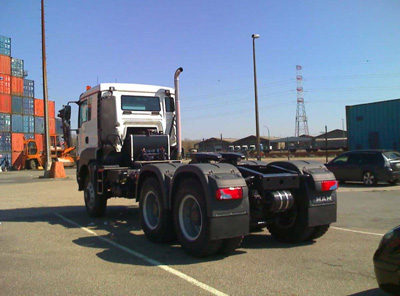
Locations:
17 160
52 126
40 142
5 64
17 142
17 85
52 110
5 84
5 103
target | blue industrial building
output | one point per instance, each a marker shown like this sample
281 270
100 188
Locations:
374 125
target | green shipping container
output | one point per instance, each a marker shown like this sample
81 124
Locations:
374 125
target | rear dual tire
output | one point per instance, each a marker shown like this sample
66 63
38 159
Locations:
292 226
192 224
155 219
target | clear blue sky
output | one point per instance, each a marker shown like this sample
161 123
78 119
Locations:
349 50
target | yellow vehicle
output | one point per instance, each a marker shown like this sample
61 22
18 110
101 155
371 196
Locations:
34 159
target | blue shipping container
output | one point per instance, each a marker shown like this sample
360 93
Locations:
27 106
29 88
59 130
17 124
39 125
29 124
374 125
5 122
5 141
5 46
17 67
16 105
5 160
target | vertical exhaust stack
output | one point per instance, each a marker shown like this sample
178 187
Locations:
178 113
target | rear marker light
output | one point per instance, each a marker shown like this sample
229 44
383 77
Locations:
329 185
229 193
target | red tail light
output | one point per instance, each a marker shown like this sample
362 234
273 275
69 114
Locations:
329 185
229 193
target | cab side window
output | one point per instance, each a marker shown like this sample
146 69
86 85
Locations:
169 104
83 113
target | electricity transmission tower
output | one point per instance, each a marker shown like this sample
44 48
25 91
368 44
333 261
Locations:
301 116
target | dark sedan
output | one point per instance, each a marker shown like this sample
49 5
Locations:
368 166
387 262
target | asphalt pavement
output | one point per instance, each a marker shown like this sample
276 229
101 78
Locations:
49 246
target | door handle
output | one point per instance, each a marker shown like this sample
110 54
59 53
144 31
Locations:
87 140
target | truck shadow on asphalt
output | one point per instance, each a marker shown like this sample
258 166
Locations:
121 226
372 292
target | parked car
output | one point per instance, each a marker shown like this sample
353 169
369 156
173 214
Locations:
368 166
387 262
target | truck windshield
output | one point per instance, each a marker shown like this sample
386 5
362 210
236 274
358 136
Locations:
136 103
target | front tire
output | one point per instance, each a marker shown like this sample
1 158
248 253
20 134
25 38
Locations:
31 164
95 203
369 179
191 222
393 182
155 219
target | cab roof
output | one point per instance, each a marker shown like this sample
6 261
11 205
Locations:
126 87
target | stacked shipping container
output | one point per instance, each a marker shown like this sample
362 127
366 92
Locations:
21 115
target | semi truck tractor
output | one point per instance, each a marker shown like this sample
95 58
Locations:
129 146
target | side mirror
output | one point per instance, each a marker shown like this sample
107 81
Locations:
67 112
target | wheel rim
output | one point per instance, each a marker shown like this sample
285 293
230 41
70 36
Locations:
151 210
190 218
90 195
368 178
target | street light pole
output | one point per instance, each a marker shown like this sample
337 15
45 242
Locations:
255 36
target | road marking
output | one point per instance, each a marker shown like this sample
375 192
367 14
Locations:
149 260
356 231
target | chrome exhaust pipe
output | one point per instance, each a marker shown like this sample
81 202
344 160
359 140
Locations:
178 113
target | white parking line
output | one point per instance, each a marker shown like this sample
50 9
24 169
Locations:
356 231
149 260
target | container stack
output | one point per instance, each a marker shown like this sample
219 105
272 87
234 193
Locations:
21 115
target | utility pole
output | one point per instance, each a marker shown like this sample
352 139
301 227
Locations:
326 143
255 36
46 100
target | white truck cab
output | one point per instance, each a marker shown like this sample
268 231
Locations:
125 109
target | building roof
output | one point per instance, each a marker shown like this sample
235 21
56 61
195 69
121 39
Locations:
379 102
336 133
292 139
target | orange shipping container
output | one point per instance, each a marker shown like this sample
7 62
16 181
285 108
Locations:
52 110
5 84
39 107
17 160
17 142
5 65
17 85
52 126
40 142
5 103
